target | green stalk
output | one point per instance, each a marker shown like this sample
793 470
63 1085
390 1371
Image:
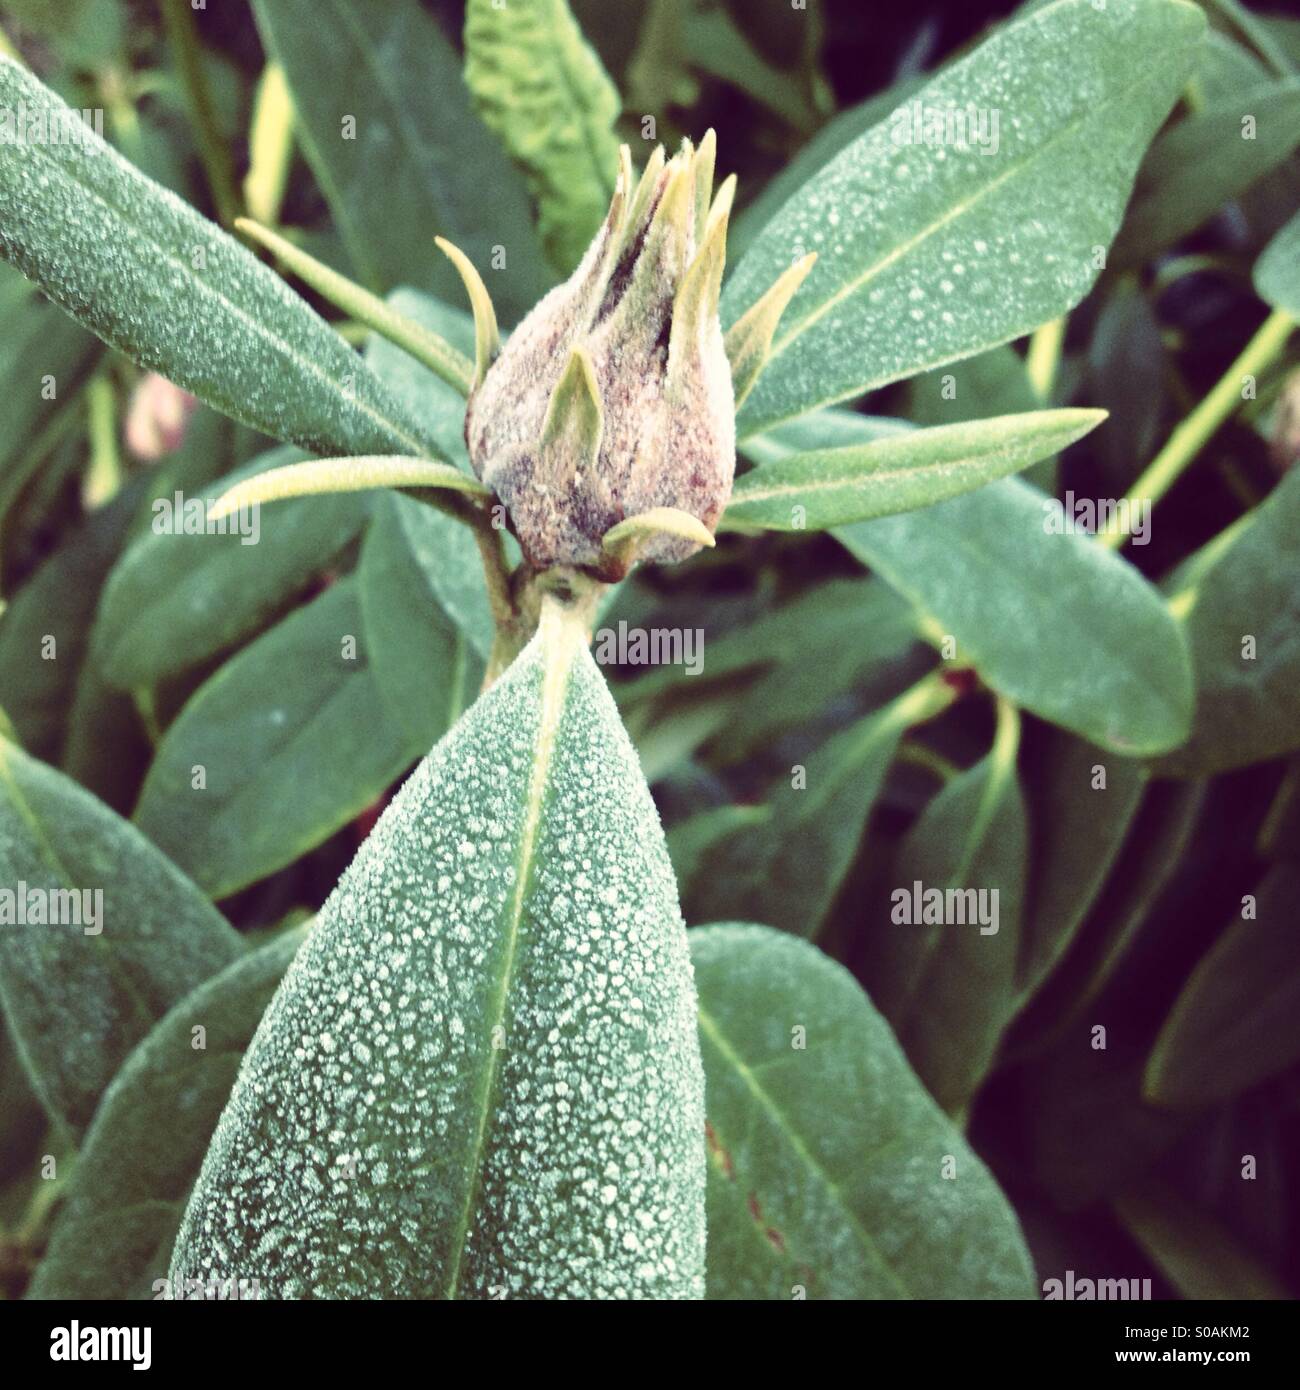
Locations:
1195 431
178 18
104 476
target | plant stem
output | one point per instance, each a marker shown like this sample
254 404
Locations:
1195 431
178 18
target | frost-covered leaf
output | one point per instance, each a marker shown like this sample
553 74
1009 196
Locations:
834 487
1204 161
1277 272
425 666
1241 608
145 272
1234 1022
385 121
926 255
132 934
539 84
175 599
283 745
481 1076
831 1171
114 1234
789 868
1052 621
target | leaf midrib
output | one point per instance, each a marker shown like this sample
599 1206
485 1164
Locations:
709 1026
555 681
853 286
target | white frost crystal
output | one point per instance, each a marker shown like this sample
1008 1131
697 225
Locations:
481 1076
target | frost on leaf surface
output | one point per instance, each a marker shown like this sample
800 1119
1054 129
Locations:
481 1076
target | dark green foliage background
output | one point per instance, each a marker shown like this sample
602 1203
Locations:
1127 902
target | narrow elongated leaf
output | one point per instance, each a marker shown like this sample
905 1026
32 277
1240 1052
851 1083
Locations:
942 968
44 358
792 865
286 743
114 1235
1082 804
181 594
1151 857
58 602
1277 272
497 1000
425 666
1198 1256
145 272
102 934
832 1173
324 477
539 84
833 487
1240 610
929 254
1233 1024
1204 161
385 120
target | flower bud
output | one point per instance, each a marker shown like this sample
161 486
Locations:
613 398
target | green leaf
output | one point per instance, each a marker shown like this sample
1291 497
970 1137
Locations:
848 639
287 742
174 600
1240 610
827 1175
146 273
689 841
42 352
948 986
1277 272
1205 161
113 1237
923 259
538 83
323 477
385 121
481 1078
424 664
1150 859
1197 1255
1079 826
79 994
58 601
833 487
1233 1024
789 868
1052 621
